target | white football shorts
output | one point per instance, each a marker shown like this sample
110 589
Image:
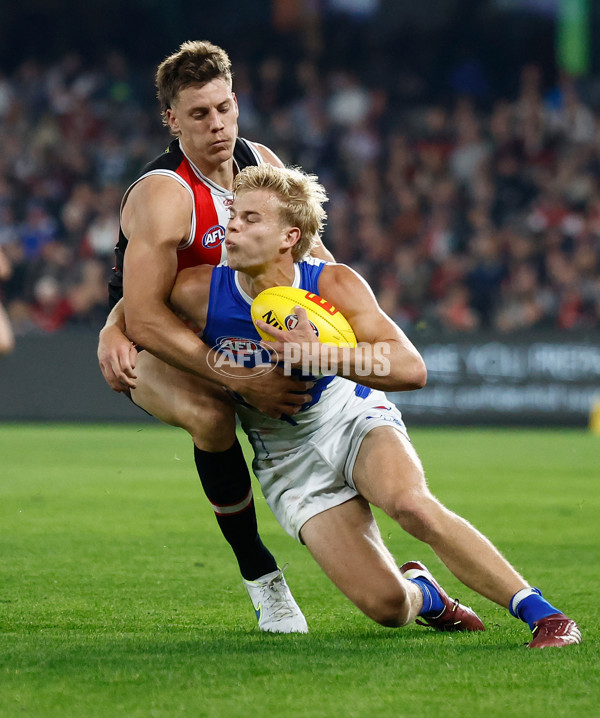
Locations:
303 478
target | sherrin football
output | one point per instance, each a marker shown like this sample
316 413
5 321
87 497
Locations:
275 306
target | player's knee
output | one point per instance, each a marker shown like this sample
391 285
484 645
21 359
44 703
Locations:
212 426
203 416
390 607
418 515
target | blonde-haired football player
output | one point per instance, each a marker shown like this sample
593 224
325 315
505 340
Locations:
348 448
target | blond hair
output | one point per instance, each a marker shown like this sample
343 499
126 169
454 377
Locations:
301 197
195 63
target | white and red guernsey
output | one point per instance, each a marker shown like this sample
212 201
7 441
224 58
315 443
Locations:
205 244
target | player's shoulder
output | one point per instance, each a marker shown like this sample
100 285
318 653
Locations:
341 278
337 270
156 196
264 153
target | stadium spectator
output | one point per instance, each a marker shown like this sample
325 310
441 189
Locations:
403 163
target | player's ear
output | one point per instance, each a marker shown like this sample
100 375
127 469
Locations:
292 237
173 122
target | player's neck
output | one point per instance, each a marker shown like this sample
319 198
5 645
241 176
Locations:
220 173
255 281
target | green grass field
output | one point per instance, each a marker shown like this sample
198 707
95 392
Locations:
118 597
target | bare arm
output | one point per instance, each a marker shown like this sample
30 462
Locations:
116 351
395 363
190 294
156 219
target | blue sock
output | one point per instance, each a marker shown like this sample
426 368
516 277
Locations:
432 603
531 606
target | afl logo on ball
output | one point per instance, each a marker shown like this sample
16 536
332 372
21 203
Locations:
291 321
213 237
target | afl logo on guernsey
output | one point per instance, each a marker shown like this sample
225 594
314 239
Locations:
239 346
231 353
213 237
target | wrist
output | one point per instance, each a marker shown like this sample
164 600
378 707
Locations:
111 327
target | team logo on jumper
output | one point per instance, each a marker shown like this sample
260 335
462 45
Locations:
213 237
231 353
391 418
291 322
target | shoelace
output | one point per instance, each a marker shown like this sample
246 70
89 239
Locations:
276 599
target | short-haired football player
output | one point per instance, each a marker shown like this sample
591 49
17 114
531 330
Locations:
174 216
348 448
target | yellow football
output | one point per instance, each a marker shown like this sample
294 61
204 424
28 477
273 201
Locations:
275 306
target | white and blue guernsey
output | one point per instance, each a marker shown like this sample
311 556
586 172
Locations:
229 327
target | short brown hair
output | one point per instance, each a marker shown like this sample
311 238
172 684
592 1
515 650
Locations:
301 197
195 63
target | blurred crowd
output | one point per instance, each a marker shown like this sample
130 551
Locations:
466 212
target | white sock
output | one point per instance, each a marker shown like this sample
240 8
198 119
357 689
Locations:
519 596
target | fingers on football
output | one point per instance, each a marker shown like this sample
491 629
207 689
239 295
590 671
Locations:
268 329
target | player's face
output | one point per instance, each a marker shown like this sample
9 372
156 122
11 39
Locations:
205 118
256 233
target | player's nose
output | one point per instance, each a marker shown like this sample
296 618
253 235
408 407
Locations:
216 120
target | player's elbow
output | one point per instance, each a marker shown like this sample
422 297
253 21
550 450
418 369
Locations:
139 331
409 375
416 375
420 374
